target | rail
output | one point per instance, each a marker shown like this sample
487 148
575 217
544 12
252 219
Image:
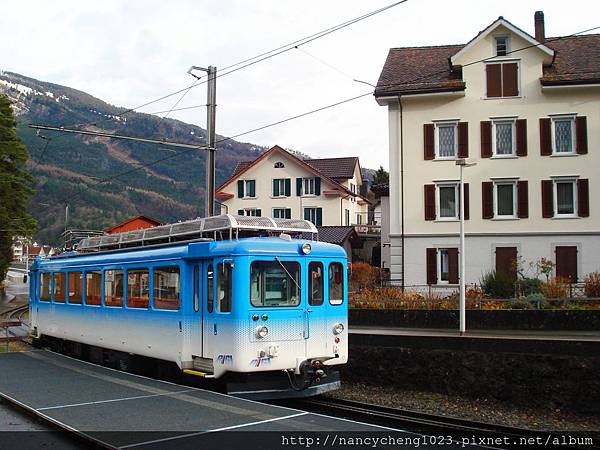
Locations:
428 424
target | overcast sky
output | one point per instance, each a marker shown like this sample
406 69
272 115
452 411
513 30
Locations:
127 52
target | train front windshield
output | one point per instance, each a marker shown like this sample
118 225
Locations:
275 283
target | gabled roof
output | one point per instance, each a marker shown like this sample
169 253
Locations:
412 70
501 21
248 165
336 168
421 70
149 220
336 235
577 60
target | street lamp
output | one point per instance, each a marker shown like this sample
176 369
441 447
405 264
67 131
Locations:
462 303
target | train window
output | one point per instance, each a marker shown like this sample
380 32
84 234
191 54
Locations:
166 288
224 287
93 287
113 288
336 283
210 286
275 283
196 292
45 287
59 292
138 288
75 287
315 284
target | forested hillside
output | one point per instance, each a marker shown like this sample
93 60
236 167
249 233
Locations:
67 168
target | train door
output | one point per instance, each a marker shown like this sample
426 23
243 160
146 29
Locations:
33 302
316 311
197 310
208 308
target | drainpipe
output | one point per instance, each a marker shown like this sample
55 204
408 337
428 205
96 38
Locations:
402 184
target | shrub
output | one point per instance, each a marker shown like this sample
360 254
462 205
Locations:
364 276
520 303
556 288
529 286
537 299
498 284
592 284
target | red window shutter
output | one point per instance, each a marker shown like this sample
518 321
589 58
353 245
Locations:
581 134
583 198
431 266
487 199
453 265
486 139
430 202
545 137
506 261
466 187
566 263
522 200
547 199
493 76
463 139
510 80
521 137
428 140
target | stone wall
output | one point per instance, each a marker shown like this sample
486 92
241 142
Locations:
540 373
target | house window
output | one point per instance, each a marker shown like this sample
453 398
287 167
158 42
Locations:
563 135
443 265
565 204
446 140
314 215
282 187
246 188
502 45
347 211
279 165
505 200
309 186
447 201
282 213
504 137
502 79
250 212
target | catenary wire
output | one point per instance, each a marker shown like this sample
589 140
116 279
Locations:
347 100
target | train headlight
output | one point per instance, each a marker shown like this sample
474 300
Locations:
261 332
338 328
306 248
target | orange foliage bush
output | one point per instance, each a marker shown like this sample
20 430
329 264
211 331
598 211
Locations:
555 288
592 284
364 276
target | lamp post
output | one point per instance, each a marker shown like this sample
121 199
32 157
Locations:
462 301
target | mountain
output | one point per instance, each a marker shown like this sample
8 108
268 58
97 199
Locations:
67 167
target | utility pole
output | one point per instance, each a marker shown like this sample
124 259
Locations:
211 110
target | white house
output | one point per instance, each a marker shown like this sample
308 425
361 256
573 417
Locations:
279 184
526 110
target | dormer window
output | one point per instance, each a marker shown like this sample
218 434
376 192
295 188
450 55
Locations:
279 165
502 45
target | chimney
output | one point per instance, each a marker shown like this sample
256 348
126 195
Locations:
540 34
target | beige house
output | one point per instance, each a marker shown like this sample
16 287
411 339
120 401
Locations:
526 110
279 184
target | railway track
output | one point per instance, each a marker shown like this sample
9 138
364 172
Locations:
17 313
461 430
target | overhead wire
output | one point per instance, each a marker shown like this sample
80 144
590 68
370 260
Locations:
347 100
232 68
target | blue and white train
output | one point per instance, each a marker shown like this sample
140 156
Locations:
266 315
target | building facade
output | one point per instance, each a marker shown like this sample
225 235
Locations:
279 184
526 110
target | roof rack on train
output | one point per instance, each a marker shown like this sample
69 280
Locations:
226 226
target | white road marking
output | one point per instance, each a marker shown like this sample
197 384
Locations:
232 427
114 400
